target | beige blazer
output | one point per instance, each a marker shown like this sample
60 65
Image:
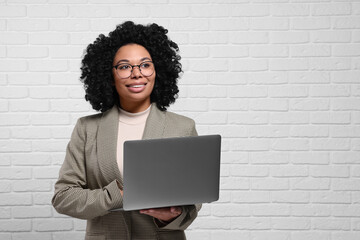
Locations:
87 187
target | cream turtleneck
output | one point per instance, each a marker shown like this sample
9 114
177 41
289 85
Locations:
131 127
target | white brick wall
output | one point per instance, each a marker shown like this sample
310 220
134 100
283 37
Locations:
278 79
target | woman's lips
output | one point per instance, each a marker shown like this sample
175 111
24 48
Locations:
136 88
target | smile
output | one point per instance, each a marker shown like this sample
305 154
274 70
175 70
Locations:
136 86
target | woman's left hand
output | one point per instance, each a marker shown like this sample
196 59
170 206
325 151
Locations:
166 214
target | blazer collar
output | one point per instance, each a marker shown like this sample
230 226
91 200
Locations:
107 139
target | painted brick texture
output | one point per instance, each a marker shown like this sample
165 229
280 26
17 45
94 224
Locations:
278 79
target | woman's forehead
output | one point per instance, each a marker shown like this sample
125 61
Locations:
131 52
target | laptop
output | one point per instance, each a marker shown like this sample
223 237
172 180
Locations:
171 172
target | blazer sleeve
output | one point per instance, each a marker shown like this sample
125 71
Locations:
72 197
189 212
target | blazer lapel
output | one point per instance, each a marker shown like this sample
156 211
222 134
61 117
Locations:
107 144
155 123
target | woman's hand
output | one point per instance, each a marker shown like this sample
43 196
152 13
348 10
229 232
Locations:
166 214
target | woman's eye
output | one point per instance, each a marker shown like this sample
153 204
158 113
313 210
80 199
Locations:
145 65
124 67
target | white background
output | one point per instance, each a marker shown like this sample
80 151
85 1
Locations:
278 79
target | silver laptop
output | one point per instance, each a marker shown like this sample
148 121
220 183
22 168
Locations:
171 171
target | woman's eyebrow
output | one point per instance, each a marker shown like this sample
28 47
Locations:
125 60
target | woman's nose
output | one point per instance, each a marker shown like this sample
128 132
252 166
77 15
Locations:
135 73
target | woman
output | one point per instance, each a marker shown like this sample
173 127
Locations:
131 77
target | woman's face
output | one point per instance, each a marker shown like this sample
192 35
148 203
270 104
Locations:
134 90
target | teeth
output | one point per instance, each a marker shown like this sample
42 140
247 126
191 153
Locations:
137 86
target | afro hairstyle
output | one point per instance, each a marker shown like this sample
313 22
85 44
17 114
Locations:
97 64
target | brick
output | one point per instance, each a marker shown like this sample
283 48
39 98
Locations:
329 171
310 51
329 91
15 173
251 223
247 91
310 158
289 37
207 91
50 118
330 64
61 132
28 25
250 196
8 65
52 225
63 25
310 235
249 37
345 77
4 106
250 10
351 50
46 172
167 11
257 118
345 157
269 157
346 210
48 65
31 236
80 224
290 197
12 11
234 183
211 223
227 51
29 105
345 131
292 144
246 65
228 131
15 225
346 23
261 210
250 145
330 118
308 183
345 184
194 52
43 11
331 197
341 235
126 10
189 25
230 210
290 10
63 106
309 77
234 157
331 9
331 36
50 146
310 23
268 104
231 104
89 11
309 131
313 210
248 171
226 24
289 171
269 184
31 212
68 235
269 23
288 64
267 51
265 235
15 146
33 159
268 78
43 198
290 223
309 104
227 234
208 38
331 224
209 11
268 131
32 185
28 79
14 92
288 91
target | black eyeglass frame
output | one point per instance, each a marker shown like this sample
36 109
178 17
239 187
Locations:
132 68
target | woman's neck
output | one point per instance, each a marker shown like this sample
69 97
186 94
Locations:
135 107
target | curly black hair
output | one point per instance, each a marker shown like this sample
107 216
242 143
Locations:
96 69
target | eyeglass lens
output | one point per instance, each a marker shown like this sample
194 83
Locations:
125 70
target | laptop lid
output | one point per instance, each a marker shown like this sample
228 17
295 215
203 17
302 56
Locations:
171 171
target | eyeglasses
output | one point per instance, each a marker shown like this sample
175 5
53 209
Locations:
124 70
